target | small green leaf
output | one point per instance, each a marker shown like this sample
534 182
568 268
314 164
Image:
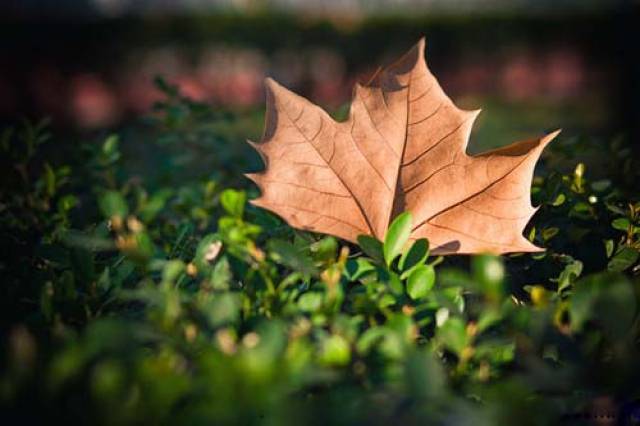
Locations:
421 281
549 233
395 284
112 203
221 275
289 255
110 145
623 259
569 274
415 256
532 234
615 209
609 245
172 270
324 250
335 351
50 180
233 202
621 223
310 301
144 247
487 319
223 309
67 202
489 272
207 251
396 237
371 247
560 199
601 185
154 205
356 268
369 338
386 300
452 334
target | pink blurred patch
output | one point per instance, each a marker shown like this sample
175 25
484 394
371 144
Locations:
93 103
521 78
138 93
564 73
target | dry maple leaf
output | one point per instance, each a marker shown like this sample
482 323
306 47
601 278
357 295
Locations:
401 149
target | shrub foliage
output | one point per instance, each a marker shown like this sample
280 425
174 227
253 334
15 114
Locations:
167 299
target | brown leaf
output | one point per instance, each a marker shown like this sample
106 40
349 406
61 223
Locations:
402 149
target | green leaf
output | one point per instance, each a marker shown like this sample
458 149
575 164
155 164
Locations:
452 334
287 254
50 180
560 199
615 209
172 270
67 202
487 319
386 300
623 259
144 248
324 250
356 268
110 146
621 223
609 245
206 252
233 202
601 185
369 338
396 237
372 247
154 205
310 301
421 281
335 351
112 203
415 256
548 233
395 284
569 274
489 272
221 275
222 309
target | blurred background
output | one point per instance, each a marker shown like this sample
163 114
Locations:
532 65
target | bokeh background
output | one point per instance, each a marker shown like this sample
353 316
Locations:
532 65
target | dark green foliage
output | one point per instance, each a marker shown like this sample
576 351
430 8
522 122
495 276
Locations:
174 302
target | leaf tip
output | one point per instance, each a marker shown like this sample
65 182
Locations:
258 202
252 144
254 177
528 247
551 136
272 86
474 113
259 149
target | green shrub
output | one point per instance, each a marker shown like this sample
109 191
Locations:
172 301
